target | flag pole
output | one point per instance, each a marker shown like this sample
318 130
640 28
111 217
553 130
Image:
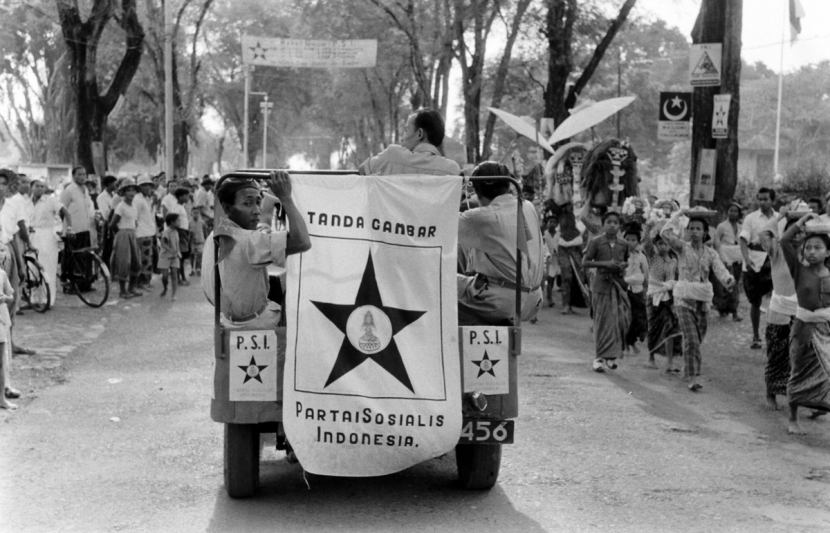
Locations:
776 176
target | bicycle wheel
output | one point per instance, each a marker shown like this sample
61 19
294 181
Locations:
34 289
94 287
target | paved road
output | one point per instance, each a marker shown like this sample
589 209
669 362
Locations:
125 444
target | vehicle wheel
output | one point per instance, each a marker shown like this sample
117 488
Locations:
95 289
35 290
241 459
478 465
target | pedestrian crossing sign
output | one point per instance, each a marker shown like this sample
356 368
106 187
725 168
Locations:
705 62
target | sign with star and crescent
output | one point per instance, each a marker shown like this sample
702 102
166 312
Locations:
372 371
675 116
485 350
308 53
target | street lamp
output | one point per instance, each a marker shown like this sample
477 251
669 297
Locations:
266 106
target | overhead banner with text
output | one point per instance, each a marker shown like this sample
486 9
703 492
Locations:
372 372
308 53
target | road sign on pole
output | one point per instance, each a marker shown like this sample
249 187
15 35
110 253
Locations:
705 64
675 120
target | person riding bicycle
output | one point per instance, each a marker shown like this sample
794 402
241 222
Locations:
245 252
487 254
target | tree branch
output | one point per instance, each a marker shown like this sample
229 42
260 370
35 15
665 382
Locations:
599 52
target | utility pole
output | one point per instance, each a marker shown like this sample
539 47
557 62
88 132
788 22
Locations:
719 21
619 84
168 91
266 106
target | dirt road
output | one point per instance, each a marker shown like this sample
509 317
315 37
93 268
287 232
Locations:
126 444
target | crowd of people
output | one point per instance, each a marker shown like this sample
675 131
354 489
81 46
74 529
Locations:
141 227
652 271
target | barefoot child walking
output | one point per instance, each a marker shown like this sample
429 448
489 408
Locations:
170 254
782 308
636 274
809 385
662 322
693 291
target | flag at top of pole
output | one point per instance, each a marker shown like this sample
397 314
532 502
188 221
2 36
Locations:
796 14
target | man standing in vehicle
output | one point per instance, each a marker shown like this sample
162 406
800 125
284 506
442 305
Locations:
487 254
419 151
245 252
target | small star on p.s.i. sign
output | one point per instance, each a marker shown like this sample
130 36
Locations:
485 365
252 370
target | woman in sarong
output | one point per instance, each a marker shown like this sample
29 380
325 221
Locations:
729 249
608 254
809 384
662 323
693 291
125 261
636 274
782 308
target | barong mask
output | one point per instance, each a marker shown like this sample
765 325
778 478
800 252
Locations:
563 171
609 174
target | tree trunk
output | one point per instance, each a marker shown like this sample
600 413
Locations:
82 40
561 17
719 21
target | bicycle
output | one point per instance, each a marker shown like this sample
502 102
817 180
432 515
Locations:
85 275
34 289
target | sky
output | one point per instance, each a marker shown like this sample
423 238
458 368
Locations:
761 29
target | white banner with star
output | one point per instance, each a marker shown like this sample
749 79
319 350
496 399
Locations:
309 53
372 371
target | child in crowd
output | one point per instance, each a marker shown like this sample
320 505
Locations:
551 261
636 274
170 254
125 262
608 254
808 385
6 297
693 292
198 232
662 322
783 305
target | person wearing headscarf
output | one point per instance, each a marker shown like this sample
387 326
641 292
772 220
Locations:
728 247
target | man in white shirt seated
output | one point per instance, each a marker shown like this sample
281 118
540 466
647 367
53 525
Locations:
245 252
419 151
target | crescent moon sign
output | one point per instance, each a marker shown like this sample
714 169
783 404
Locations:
679 116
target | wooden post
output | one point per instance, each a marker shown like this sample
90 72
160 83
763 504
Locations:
719 21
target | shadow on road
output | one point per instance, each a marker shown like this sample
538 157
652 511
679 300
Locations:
423 498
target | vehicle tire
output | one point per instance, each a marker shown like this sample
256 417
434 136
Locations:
94 290
241 460
478 465
35 290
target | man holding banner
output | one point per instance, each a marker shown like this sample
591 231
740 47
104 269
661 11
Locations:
244 252
487 254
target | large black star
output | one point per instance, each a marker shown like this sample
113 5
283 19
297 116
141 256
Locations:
248 375
485 365
349 356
